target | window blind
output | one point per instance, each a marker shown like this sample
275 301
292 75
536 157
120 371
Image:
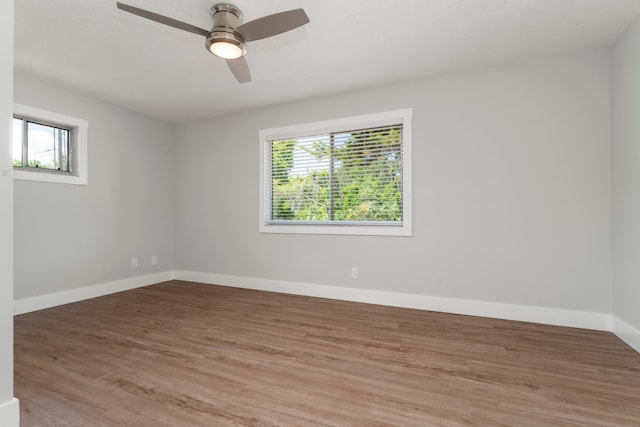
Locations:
346 177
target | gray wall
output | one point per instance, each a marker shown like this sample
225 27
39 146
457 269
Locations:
6 214
511 190
625 159
70 236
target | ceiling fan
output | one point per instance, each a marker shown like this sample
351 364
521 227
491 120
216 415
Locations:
228 37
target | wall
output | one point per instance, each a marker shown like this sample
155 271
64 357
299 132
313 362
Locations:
73 236
9 414
511 191
625 160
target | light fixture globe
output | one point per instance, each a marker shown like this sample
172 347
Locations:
226 44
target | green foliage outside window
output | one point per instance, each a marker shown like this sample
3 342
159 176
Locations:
361 177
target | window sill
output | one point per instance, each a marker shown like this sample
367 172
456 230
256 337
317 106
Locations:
54 178
357 230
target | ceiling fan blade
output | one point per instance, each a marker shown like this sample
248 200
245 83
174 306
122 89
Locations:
163 19
272 25
240 69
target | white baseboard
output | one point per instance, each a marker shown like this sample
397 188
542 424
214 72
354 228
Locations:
626 333
526 313
10 413
26 305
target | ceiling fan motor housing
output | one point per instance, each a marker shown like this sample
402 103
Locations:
226 18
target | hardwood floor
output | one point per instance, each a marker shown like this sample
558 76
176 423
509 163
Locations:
187 354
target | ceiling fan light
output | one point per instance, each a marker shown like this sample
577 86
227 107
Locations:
226 44
226 50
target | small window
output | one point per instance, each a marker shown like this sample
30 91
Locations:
346 176
48 146
40 146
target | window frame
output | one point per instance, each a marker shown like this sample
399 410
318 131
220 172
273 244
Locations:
402 117
77 157
25 125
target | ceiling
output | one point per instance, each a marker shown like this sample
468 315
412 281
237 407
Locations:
349 44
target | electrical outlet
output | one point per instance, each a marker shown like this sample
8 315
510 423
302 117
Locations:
154 259
134 262
354 272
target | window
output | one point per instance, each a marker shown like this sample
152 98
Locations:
40 146
345 176
48 146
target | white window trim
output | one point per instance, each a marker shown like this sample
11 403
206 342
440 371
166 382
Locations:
336 125
79 131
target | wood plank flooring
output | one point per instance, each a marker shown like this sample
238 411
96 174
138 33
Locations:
187 354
